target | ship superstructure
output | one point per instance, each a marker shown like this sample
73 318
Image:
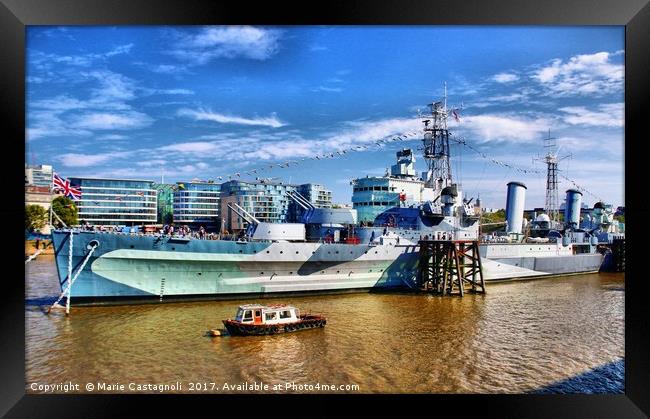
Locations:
328 251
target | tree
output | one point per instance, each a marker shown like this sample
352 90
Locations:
66 209
35 217
492 218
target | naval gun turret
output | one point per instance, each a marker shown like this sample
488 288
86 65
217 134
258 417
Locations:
327 224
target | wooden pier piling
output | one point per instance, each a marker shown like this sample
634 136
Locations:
450 267
618 253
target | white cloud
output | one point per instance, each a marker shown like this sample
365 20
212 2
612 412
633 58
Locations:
505 77
112 86
206 115
168 91
84 160
48 123
42 61
122 49
327 89
152 163
198 147
287 145
112 137
227 42
608 115
587 74
169 69
491 127
103 121
359 132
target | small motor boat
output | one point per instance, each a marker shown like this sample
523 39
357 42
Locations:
256 319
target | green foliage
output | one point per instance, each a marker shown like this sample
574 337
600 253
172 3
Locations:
66 209
35 217
620 218
493 217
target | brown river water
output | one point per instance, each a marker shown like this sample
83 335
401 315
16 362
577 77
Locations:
558 335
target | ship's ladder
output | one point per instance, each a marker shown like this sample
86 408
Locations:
93 245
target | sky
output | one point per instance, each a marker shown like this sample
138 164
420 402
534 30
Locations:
195 102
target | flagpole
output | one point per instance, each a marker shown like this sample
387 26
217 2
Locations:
51 188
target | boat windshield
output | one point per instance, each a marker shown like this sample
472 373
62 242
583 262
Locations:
240 314
247 315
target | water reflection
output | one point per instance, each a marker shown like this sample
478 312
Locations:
520 337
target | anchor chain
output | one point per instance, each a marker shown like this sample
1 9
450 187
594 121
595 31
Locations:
71 281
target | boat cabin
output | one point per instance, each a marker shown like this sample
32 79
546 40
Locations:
259 314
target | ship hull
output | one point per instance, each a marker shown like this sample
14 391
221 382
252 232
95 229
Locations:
132 268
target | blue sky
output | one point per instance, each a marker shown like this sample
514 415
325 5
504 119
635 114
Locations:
203 102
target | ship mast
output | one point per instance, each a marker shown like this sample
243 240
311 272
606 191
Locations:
436 146
551 159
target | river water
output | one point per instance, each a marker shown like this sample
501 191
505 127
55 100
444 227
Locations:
562 334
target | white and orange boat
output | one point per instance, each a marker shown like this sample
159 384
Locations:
256 319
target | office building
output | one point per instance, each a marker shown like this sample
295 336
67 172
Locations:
267 201
123 202
197 204
40 175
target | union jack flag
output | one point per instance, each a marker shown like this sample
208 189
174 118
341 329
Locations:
63 185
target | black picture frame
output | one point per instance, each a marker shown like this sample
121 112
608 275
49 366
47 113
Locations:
15 15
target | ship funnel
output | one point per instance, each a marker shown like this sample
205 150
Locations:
572 208
515 207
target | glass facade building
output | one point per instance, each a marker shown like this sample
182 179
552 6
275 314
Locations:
116 201
266 201
316 194
197 204
40 175
165 202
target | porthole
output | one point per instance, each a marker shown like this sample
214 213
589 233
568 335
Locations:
297 252
199 273
337 252
261 273
132 246
173 248
268 251
240 251
281 251
290 273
